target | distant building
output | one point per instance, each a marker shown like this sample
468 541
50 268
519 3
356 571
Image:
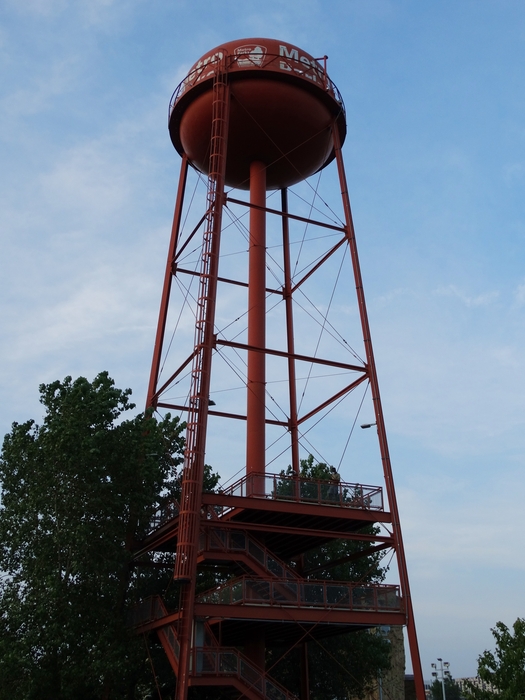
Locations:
428 690
392 685
477 682
462 682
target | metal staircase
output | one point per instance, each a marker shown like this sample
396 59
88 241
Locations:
239 547
224 666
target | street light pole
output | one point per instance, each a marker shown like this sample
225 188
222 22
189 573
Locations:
440 673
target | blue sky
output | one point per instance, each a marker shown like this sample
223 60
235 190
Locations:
435 158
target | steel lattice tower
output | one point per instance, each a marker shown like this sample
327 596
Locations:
262 115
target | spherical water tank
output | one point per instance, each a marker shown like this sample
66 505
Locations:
281 112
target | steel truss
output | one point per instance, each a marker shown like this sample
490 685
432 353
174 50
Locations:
258 529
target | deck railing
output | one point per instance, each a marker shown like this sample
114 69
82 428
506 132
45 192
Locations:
284 487
165 511
208 68
247 590
149 610
210 660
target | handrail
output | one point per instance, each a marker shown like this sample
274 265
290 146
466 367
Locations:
286 487
165 511
228 661
238 541
308 593
283 487
148 610
197 74
211 659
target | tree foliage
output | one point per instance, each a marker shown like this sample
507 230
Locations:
452 690
77 491
338 560
504 668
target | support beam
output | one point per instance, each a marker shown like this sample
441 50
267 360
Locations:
256 387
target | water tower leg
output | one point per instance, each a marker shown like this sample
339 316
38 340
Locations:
381 430
287 289
168 277
256 378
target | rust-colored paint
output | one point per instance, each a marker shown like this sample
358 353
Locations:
259 114
281 113
256 384
381 429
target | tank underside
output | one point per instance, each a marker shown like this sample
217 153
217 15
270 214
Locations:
280 125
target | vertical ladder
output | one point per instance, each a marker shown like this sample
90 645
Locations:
192 476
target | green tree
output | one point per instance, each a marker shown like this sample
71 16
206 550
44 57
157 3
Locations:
345 665
503 668
77 491
452 690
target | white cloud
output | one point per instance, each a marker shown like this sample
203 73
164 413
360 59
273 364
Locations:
513 172
88 183
453 509
392 295
45 85
39 8
484 299
452 379
94 12
94 308
519 294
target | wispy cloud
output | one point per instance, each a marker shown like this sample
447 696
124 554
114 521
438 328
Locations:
46 84
450 506
393 294
95 12
484 299
519 294
513 172
39 8
87 183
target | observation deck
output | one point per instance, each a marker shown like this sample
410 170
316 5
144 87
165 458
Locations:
258 527
288 514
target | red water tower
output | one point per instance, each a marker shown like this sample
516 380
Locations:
266 367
